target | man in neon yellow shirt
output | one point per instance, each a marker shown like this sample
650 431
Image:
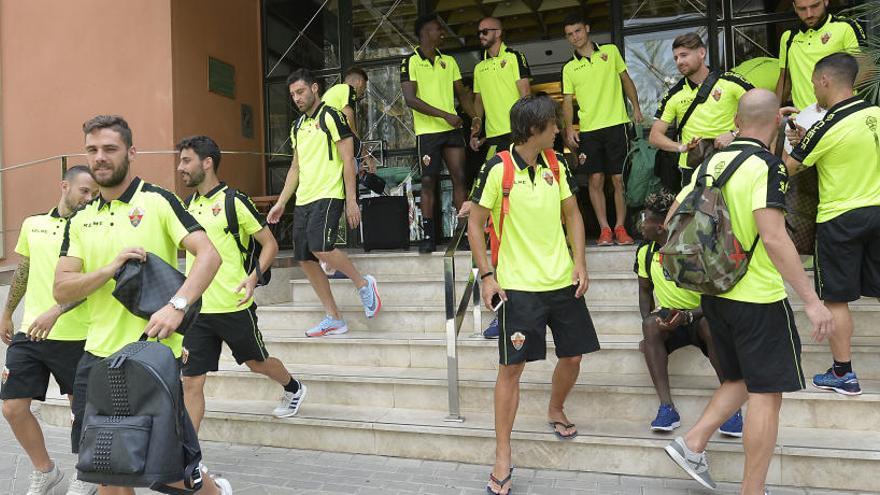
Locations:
129 218
51 337
430 80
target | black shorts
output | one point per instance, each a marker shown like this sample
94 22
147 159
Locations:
315 227
685 335
498 143
686 175
28 365
605 149
80 397
524 319
757 343
203 341
431 149
848 256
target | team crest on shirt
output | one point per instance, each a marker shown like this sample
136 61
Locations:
518 340
215 209
548 177
5 375
826 36
426 160
604 57
184 355
717 94
136 215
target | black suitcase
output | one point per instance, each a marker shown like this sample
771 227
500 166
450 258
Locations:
385 222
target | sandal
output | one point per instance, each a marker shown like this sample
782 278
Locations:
554 424
500 483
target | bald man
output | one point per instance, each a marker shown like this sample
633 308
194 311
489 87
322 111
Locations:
756 342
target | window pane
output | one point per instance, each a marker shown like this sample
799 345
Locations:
745 8
304 33
383 28
759 40
650 65
382 113
281 113
638 12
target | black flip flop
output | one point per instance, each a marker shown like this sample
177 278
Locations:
554 424
501 483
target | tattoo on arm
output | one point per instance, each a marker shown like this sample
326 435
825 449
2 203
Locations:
19 285
69 306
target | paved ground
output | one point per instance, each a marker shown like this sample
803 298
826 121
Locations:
263 470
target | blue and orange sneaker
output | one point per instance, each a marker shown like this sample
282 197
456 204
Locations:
328 326
733 427
847 384
667 419
370 297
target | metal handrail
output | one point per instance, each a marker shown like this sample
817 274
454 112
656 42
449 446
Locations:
455 311
65 156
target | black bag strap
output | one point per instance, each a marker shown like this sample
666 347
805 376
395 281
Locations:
649 258
232 226
701 97
188 200
787 48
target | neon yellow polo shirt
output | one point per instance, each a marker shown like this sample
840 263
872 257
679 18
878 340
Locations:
760 72
320 166
146 216
434 85
40 241
669 295
595 83
339 96
210 211
760 182
710 119
834 34
534 254
495 80
845 148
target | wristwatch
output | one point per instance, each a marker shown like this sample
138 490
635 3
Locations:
179 303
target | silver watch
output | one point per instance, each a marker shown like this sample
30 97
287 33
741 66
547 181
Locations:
179 303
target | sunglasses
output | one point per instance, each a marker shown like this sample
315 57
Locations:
484 32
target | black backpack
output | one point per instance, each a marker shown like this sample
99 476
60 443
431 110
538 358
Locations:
136 431
250 254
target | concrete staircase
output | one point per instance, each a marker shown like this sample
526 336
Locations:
381 388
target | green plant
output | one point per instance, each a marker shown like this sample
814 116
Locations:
868 13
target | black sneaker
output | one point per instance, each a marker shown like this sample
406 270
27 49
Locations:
429 242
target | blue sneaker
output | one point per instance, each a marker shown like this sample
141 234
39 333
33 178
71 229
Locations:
493 330
370 297
328 326
667 419
847 384
733 427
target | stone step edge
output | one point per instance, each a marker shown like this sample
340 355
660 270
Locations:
595 306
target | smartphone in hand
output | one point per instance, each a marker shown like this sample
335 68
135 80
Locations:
496 302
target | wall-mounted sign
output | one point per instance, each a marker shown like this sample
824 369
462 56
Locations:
221 77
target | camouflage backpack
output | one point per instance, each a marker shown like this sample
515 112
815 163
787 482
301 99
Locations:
702 253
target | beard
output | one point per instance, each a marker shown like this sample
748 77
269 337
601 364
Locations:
118 175
194 179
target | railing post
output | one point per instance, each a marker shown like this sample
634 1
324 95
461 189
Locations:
478 304
63 165
451 341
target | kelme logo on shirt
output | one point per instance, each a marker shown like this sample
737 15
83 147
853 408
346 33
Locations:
215 209
548 177
135 216
442 64
5 375
825 37
518 340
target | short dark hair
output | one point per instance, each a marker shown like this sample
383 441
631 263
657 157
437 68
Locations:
841 66
203 146
691 41
75 170
575 18
423 21
531 112
659 203
303 75
113 122
355 71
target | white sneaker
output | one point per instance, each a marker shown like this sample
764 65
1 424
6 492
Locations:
290 402
695 464
42 483
223 485
79 487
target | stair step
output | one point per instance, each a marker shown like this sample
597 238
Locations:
629 397
607 318
801 457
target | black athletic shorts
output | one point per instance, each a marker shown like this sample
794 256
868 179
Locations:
605 149
80 391
28 365
498 143
431 149
685 335
848 256
203 341
524 319
315 227
757 343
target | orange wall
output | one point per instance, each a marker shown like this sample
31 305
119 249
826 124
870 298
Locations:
64 62
228 30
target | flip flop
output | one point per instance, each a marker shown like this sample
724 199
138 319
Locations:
501 483
554 424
